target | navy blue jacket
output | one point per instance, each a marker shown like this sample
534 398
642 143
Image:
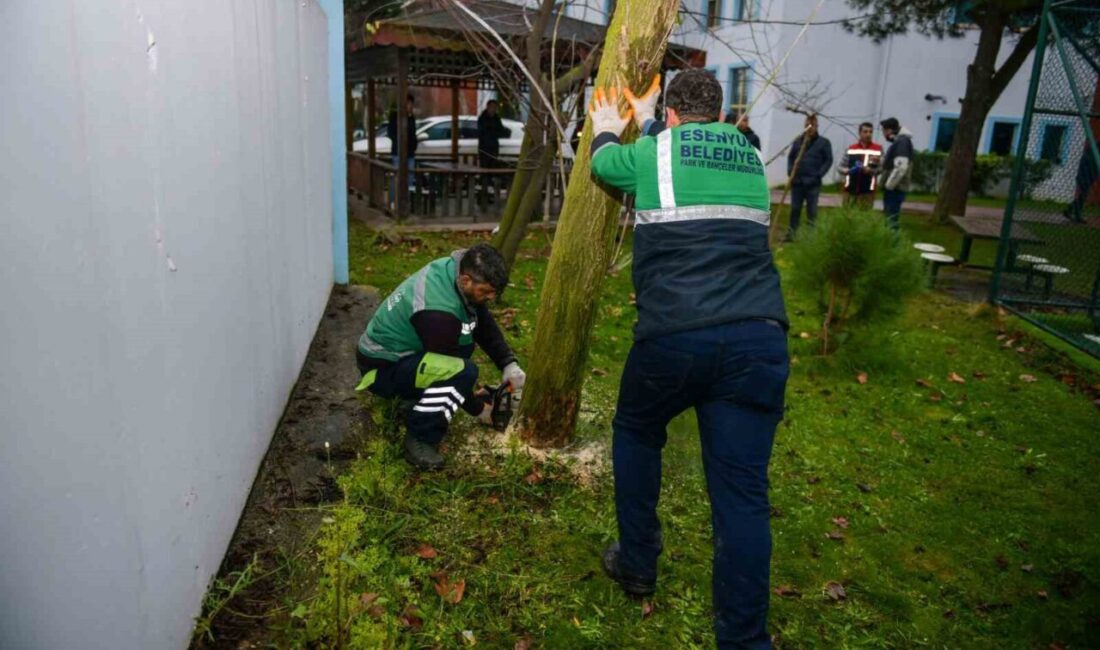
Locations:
815 163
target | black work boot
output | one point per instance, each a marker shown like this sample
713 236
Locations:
421 455
632 586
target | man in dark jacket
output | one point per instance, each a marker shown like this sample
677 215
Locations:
490 129
710 336
816 161
410 136
897 169
741 121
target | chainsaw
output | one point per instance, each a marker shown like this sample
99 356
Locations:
502 400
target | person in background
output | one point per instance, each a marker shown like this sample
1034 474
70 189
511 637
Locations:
896 168
806 173
1086 176
741 121
490 129
410 136
860 166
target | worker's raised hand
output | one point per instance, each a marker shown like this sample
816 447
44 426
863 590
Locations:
604 113
645 107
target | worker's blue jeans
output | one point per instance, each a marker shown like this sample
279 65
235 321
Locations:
891 206
734 376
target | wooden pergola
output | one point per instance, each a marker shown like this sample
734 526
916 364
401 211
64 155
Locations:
440 45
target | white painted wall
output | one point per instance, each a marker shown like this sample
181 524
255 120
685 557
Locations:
165 255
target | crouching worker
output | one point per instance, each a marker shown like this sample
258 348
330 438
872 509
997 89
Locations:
418 344
711 335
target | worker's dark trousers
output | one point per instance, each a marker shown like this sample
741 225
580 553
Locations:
436 402
800 194
891 206
734 376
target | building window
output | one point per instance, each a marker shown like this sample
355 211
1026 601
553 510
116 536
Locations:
739 89
742 9
943 132
714 9
1001 139
1052 143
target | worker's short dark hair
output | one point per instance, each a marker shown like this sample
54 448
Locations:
491 101
866 124
695 93
891 123
484 263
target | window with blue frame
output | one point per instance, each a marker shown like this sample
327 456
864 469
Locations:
1053 143
1002 136
742 9
739 89
714 12
943 132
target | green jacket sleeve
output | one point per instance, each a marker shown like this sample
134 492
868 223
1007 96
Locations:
614 163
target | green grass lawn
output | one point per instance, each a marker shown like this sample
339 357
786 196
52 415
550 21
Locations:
955 514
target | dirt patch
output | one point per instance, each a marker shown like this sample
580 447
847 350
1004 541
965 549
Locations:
320 431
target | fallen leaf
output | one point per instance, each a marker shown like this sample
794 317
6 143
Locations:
787 591
861 378
534 478
955 377
633 299
841 521
1002 563
935 397
410 618
524 643
492 499
468 637
599 372
1028 379
426 551
376 612
529 281
979 374
1021 349
897 436
924 383
813 480
1027 568
647 609
450 592
949 614
804 335
368 598
835 591
835 535
1042 594
863 487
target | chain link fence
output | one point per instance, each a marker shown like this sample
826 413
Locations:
1048 260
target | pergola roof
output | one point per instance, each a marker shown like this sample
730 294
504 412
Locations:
443 43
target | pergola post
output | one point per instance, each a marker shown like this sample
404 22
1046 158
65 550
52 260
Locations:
454 120
371 128
349 117
401 201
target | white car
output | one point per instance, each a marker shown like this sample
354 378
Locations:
434 135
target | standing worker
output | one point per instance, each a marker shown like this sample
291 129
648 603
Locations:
418 344
860 166
711 335
410 137
805 173
896 169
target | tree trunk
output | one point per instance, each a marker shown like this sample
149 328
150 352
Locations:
635 45
984 84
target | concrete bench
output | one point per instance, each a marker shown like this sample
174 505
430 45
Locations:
929 248
1047 272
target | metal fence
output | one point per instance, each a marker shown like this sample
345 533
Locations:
1048 260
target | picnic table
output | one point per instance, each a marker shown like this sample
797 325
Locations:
990 228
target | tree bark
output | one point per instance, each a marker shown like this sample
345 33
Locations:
984 84
634 48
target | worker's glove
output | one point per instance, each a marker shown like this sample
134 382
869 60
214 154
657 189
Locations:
645 107
514 376
604 112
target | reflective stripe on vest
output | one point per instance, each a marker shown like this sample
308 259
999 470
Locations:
664 169
694 212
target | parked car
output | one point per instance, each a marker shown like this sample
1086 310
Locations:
434 135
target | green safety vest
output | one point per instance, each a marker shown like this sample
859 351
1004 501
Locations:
390 334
